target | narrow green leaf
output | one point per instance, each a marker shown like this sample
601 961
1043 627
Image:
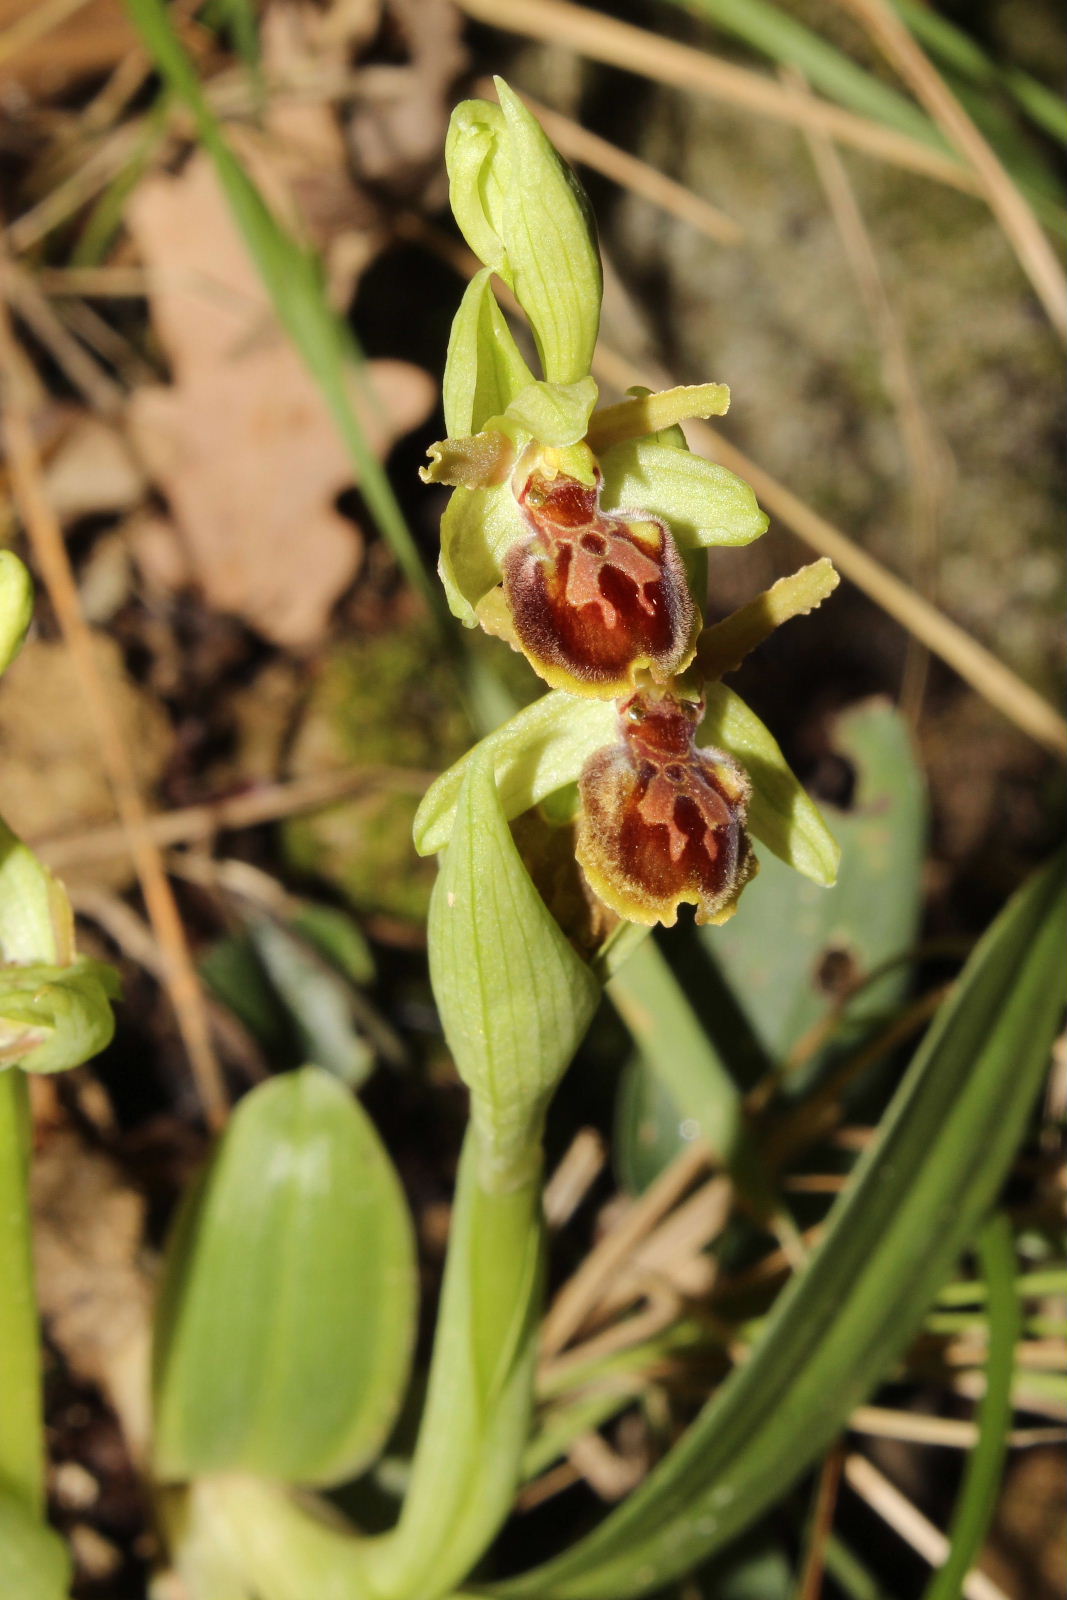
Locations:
34 1564
917 1197
319 999
781 814
537 751
484 370
287 1310
514 997
702 503
294 281
985 1464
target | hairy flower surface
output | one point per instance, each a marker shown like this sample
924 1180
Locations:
596 598
662 821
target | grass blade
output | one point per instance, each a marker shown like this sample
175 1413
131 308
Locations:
294 283
917 1198
978 1496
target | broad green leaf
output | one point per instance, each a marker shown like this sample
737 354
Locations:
524 214
34 1564
915 1202
774 949
540 749
484 370
702 503
514 997
16 606
287 1312
781 814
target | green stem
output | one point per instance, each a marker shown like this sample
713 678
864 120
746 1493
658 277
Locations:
477 1417
21 1428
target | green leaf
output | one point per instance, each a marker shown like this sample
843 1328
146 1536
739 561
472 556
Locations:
702 503
34 1564
16 606
918 1195
524 214
514 997
484 370
319 999
539 750
781 814
772 951
287 1313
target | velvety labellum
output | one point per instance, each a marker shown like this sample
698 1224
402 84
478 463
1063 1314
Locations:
662 821
596 598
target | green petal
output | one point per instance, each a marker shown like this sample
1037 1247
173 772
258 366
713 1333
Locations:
477 529
781 815
702 503
484 370
555 414
286 1321
514 997
53 1018
543 747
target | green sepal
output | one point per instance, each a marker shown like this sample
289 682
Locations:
53 1018
484 370
16 606
524 214
781 814
555 414
701 502
34 1564
514 998
539 750
477 530
287 1314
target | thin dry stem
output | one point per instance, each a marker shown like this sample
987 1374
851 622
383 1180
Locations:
637 50
46 538
580 1294
270 803
1010 208
908 1521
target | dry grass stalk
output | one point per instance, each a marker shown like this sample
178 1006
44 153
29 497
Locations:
1010 208
637 50
908 1521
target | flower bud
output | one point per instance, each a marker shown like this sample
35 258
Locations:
662 821
596 598
525 215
